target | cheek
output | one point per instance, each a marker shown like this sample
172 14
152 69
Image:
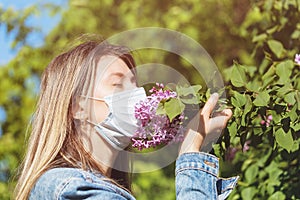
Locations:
101 91
101 111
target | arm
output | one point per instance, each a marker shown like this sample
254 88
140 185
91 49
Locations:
203 128
197 178
197 172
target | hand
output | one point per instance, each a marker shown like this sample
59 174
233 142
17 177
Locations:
204 128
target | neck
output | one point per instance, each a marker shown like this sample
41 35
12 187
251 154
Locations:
101 151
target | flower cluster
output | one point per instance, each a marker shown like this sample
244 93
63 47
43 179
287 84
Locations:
297 59
155 129
267 121
232 151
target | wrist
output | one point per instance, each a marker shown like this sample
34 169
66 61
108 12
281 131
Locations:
192 142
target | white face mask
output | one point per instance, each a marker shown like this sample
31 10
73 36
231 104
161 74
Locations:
120 124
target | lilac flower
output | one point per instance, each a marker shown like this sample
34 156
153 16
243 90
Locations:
297 59
270 118
246 146
268 121
230 154
154 129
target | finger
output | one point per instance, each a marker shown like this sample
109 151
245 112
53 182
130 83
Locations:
194 122
218 123
225 112
210 105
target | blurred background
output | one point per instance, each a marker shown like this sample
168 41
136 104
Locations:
33 32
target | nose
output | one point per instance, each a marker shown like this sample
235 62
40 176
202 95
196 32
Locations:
129 85
129 82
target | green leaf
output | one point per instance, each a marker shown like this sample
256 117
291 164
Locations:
248 105
173 107
238 100
284 71
251 173
296 34
290 98
297 96
217 150
160 109
293 115
263 66
248 193
277 196
251 70
259 38
192 100
247 109
295 127
285 140
232 128
207 93
171 86
262 99
238 76
276 47
185 91
282 91
269 76
253 86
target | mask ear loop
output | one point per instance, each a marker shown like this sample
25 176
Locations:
91 122
93 98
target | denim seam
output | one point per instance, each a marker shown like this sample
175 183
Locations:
63 186
104 184
214 186
202 154
227 188
87 177
194 168
232 185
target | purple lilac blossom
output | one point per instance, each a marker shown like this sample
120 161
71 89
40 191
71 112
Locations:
246 146
230 154
156 129
297 59
268 121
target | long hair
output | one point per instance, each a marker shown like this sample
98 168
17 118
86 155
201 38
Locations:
55 139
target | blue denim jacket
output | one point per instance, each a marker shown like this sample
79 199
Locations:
196 178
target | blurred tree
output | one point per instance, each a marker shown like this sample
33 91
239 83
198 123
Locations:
228 30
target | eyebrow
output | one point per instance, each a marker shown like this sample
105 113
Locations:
117 74
121 75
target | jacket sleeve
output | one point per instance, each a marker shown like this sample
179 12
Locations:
71 183
77 188
197 178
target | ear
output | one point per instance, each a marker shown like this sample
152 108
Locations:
79 109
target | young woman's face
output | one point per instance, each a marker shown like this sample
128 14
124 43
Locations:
113 75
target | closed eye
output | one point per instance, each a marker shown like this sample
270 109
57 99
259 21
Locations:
117 84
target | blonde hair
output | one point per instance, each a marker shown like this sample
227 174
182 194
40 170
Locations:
56 140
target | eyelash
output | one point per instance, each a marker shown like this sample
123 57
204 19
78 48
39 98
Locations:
117 84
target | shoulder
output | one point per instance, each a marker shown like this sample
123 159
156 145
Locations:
71 183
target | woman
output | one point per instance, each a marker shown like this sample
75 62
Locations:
77 133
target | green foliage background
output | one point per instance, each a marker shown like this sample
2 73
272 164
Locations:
252 42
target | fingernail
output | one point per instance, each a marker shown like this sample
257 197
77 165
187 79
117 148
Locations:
214 95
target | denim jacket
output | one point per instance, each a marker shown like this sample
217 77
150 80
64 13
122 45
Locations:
196 178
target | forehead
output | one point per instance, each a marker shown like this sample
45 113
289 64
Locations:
109 64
